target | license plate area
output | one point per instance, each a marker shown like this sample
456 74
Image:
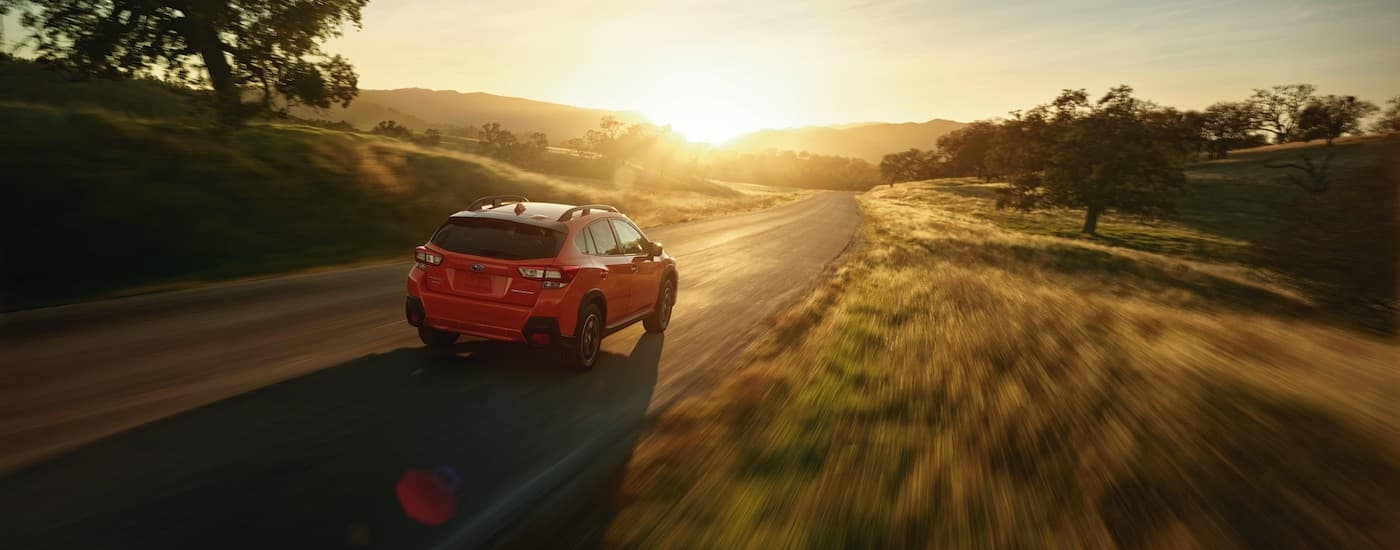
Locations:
479 283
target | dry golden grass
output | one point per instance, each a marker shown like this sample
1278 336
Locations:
318 197
648 200
958 384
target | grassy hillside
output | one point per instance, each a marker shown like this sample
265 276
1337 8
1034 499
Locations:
26 83
869 141
969 378
419 109
1341 247
96 203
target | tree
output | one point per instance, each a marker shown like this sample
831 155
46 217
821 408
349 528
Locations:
432 137
392 128
497 142
272 46
536 145
1278 109
1312 176
603 140
1390 119
1326 117
576 145
1119 153
966 148
1330 116
1227 125
911 165
6 6
617 142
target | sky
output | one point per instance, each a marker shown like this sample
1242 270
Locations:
721 67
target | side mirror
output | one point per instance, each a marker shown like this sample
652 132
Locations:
654 249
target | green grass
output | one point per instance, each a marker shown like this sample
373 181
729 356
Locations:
27 83
97 203
1229 205
972 380
1340 247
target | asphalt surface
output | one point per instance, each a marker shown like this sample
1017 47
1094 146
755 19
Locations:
280 413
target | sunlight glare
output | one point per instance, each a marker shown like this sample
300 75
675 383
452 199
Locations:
709 105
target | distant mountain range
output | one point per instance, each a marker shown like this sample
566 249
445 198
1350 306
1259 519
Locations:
867 140
419 109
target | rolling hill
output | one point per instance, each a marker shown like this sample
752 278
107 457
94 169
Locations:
869 141
420 108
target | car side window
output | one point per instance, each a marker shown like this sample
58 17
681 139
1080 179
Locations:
629 238
584 242
603 240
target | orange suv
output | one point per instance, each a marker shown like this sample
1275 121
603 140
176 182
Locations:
542 274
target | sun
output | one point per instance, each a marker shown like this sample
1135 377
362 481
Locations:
706 105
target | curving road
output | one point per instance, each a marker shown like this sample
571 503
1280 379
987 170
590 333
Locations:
279 413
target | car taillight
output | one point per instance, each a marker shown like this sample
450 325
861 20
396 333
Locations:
549 277
426 258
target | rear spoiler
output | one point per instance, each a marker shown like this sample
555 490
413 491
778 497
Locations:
585 210
495 201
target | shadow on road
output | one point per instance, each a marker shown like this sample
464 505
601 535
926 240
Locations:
306 462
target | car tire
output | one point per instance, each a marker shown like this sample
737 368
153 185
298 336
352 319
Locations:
660 317
437 339
588 339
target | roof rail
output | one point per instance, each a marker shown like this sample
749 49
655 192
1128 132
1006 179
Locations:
585 209
495 200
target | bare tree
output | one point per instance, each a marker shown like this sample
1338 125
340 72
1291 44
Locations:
1313 175
1278 109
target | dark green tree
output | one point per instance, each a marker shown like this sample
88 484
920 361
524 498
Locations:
432 137
497 142
392 128
966 148
1390 118
1330 116
6 6
911 165
1119 153
1228 125
272 47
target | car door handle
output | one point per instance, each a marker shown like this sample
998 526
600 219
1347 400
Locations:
634 269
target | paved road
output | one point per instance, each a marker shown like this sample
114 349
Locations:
280 413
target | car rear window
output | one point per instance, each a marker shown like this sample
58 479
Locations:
503 239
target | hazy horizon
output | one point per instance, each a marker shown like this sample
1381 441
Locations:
721 68
717 69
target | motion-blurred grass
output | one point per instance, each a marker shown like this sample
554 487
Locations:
96 203
1342 247
961 383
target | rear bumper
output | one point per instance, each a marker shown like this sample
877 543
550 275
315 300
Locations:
551 314
490 320
484 320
